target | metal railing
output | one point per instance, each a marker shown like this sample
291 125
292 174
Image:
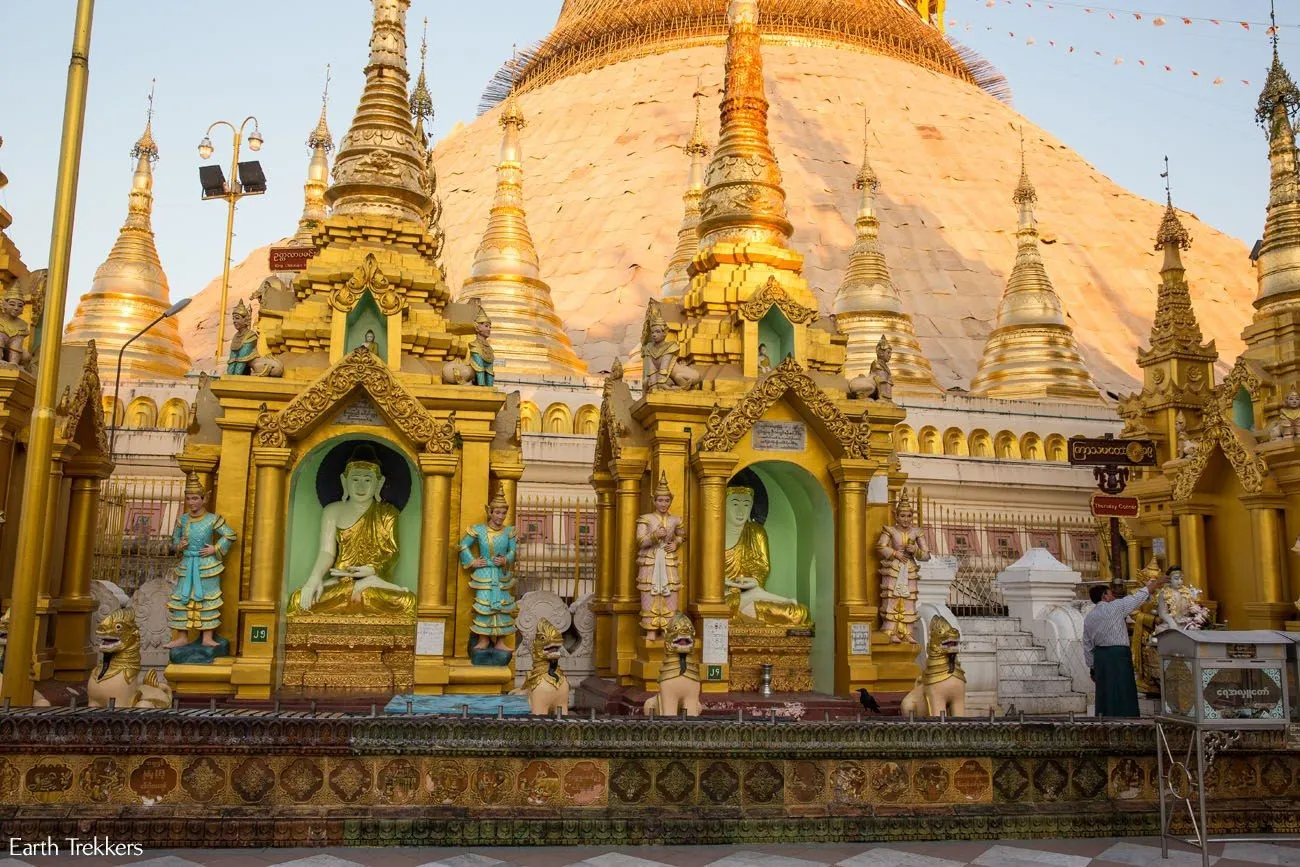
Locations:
134 532
985 543
557 546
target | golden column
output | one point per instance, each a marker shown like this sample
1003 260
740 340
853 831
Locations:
431 671
625 606
1173 544
1191 543
27 575
73 655
1271 608
253 674
48 602
854 615
713 470
606 565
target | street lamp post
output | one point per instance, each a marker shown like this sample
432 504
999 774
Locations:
117 383
215 187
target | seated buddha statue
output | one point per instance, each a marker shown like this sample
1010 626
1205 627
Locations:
358 550
746 567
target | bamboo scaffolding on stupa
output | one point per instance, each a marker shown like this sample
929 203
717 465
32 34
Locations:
604 32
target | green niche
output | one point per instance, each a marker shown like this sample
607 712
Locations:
365 316
776 334
801 545
1243 410
305 514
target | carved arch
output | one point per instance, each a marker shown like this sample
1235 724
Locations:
1238 448
587 421
930 441
142 414
558 419
530 417
85 406
771 293
174 415
847 437
361 370
905 441
954 443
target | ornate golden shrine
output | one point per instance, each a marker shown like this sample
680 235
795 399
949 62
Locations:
813 442
366 337
1226 496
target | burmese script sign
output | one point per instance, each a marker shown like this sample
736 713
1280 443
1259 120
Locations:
290 258
360 411
1102 452
1243 693
860 639
715 641
779 436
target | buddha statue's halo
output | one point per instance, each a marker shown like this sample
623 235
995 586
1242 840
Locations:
377 456
364 458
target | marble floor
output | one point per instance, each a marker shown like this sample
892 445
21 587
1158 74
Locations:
1131 852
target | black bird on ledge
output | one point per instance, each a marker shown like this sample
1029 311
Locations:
868 702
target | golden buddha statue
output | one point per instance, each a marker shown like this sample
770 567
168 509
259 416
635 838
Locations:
747 565
358 550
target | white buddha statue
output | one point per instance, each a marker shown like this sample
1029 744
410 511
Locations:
747 565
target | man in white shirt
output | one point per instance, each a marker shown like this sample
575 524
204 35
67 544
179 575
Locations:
1106 648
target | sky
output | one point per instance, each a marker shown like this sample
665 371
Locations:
267 59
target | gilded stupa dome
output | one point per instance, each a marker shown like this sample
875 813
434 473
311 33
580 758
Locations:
607 169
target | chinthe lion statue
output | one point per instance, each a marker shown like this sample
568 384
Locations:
546 685
117 676
941 688
679 678
38 700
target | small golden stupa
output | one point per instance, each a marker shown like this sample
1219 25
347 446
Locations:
130 290
1031 352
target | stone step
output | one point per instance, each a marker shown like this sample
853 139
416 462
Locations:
1046 704
1011 688
1028 670
991 625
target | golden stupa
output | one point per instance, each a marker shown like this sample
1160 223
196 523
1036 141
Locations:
505 277
1031 352
130 290
868 305
610 109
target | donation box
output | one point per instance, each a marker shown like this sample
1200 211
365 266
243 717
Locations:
1222 679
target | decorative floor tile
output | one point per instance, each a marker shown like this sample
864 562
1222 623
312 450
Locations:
166 861
469 859
322 860
619 859
1149 856
998 856
14 862
895 858
1262 853
762 859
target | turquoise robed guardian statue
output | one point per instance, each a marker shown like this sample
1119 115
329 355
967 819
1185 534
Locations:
491 579
202 539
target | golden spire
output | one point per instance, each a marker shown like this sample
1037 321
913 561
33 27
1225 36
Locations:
868 307
1174 330
744 201
421 99
1278 263
318 173
1031 352
380 168
676 278
130 289
528 337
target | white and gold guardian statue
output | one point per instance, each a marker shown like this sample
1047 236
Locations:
901 546
658 534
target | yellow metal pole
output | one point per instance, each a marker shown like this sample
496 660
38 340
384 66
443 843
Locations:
231 197
40 444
